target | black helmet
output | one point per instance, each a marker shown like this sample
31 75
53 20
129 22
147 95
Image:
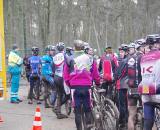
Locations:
69 48
152 39
60 46
35 50
124 47
86 49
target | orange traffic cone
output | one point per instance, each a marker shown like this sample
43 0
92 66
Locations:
37 123
1 120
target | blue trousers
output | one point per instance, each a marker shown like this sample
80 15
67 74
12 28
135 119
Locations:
15 72
123 106
14 87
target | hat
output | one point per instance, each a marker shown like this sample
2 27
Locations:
15 47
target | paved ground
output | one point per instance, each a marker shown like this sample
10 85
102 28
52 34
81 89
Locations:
21 116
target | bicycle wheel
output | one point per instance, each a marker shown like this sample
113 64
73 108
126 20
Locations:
41 91
96 118
111 107
139 119
107 121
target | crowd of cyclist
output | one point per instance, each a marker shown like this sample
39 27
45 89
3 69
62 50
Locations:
134 72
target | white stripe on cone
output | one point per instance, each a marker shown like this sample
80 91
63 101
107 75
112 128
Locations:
38 114
37 123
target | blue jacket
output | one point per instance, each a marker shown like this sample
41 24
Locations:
47 65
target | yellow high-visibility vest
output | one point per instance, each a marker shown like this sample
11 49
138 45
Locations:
14 59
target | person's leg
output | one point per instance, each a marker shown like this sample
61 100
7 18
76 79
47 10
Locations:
30 97
77 107
58 81
86 100
148 116
126 105
122 107
46 93
132 109
14 87
37 82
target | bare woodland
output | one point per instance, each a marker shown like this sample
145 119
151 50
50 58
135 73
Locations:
99 22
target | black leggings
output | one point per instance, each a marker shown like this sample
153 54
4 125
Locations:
61 96
34 82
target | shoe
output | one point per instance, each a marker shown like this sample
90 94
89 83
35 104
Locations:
123 126
19 100
89 126
38 102
30 102
61 116
54 109
15 102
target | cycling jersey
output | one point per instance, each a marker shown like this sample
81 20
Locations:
35 64
58 60
47 65
150 66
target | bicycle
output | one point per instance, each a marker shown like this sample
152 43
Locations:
139 113
105 109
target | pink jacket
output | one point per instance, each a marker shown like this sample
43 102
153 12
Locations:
150 71
84 73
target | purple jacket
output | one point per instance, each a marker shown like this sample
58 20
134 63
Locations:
84 71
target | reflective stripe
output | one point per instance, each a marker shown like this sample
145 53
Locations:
14 94
38 114
37 123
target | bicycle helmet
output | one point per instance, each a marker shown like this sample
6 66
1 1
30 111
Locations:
131 45
152 39
124 47
60 46
79 45
69 48
52 48
35 50
141 41
86 49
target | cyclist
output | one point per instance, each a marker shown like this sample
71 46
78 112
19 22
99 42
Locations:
122 86
79 75
34 79
48 74
68 57
134 78
107 66
27 67
58 61
150 84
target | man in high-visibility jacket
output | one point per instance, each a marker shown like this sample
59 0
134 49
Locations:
14 68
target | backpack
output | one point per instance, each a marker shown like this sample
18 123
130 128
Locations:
107 68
